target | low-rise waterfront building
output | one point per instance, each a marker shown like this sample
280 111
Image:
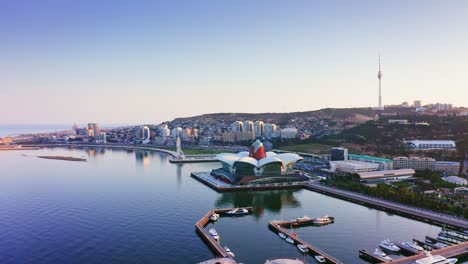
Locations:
449 167
353 166
416 163
431 144
380 176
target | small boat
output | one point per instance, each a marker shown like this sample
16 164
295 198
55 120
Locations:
213 233
386 244
229 252
440 245
214 217
320 259
412 245
282 235
302 248
303 218
322 221
290 240
382 254
238 211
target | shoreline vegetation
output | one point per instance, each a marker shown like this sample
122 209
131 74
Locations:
62 158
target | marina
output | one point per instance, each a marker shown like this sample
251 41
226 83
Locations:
173 188
277 226
208 238
455 251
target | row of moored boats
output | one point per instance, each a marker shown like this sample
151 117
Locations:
429 259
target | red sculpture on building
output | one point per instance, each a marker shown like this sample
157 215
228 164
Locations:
257 150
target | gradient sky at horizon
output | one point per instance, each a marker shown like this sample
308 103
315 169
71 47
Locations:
115 61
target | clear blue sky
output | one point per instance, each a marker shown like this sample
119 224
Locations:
111 61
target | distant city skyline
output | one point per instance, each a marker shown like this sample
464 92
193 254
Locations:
152 61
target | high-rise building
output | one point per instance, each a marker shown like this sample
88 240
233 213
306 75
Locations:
95 128
142 135
248 126
237 126
101 138
176 132
270 131
164 131
259 127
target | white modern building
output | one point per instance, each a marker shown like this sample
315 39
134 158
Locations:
248 126
259 128
415 163
289 132
377 176
142 135
353 166
176 132
237 126
431 144
270 131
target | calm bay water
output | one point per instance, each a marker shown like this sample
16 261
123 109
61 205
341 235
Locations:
136 207
11 130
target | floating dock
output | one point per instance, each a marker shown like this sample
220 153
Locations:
202 158
207 238
276 226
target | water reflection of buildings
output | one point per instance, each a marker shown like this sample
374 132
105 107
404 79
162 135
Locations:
142 158
272 201
94 152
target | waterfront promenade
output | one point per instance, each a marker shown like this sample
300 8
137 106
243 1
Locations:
408 211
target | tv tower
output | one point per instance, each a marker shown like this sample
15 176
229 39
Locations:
379 75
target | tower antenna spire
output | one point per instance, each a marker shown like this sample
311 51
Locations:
379 75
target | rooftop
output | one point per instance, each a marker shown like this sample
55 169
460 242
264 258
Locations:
369 158
386 173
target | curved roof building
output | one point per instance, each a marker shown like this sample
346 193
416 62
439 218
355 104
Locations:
256 162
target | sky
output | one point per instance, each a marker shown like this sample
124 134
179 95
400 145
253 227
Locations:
148 61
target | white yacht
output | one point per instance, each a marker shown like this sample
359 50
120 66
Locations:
303 218
214 217
229 252
282 235
436 259
213 233
320 259
382 254
302 248
290 240
386 244
238 211
412 245
440 245
322 221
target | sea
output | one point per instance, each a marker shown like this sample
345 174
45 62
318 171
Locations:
126 206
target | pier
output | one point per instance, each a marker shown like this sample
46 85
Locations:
393 207
219 186
277 227
455 251
207 238
308 221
